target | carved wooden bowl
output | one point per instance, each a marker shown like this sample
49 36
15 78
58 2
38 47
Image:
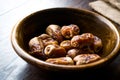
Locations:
88 21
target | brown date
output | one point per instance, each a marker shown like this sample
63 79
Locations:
97 45
54 31
80 41
44 36
36 48
61 60
73 52
47 39
86 58
54 51
70 31
66 44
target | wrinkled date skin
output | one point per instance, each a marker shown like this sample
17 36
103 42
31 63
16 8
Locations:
82 40
47 39
37 47
66 46
73 52
97 45
86 58
61 60
70 31
54 31
54 51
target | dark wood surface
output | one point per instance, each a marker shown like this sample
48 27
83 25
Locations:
12 67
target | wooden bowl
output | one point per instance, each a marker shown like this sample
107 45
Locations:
35 24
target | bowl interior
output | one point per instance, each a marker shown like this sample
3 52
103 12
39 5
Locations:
36 23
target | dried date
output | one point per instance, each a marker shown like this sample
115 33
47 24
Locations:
36 48
54 31
54 51
83 40
66 44
61 60
73 52
86 58
70 31
47 39
97 45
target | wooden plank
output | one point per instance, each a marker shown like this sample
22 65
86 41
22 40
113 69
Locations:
8 5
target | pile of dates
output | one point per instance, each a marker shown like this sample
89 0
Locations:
66 46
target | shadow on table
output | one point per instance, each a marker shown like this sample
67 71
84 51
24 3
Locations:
110 72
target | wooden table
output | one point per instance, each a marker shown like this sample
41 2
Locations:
12 67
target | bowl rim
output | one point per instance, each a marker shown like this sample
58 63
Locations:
23 54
